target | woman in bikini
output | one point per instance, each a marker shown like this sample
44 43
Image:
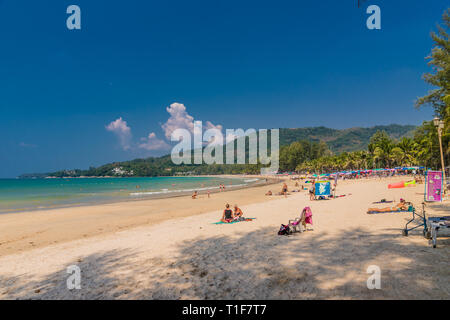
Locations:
401 206
228 215
237 212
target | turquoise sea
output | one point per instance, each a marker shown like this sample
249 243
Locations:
30 194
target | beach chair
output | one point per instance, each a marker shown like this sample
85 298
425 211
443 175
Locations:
296 225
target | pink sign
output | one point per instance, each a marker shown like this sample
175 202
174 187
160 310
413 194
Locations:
434 186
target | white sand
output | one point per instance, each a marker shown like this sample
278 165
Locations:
192 258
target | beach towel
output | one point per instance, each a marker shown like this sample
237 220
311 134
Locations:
235 221
410 209
375 212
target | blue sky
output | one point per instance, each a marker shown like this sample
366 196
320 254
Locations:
237 64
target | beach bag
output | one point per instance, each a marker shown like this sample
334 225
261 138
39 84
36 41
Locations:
284 230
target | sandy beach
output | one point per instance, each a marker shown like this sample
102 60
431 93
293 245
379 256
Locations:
170 249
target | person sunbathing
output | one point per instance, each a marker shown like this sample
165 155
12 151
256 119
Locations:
401 206
237 212
269 193
228 215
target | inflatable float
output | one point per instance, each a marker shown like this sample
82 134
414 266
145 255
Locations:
402 184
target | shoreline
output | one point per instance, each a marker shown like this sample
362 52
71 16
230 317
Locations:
42 227
184 255
144 196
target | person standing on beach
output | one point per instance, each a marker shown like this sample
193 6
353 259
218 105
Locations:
284 190
312 190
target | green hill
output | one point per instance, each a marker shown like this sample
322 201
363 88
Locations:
337 141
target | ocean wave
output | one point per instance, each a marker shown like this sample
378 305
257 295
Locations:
166 191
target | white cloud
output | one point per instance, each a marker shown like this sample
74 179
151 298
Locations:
180 119
120 128
209 125
153 143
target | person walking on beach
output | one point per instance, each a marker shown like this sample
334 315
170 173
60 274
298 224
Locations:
284 190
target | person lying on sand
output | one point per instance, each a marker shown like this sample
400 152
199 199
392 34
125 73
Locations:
269 193
237 212
401 206
228 215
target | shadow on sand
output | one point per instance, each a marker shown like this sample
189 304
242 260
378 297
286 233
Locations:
256 265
